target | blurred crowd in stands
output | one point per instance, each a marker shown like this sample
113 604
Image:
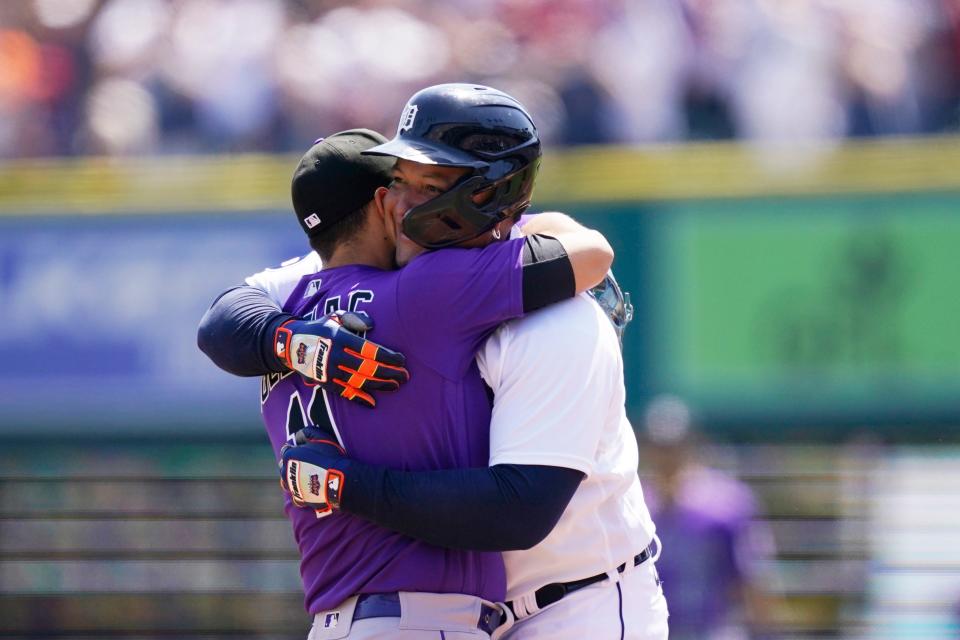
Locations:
195 76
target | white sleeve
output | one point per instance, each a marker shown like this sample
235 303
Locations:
552 377
278 282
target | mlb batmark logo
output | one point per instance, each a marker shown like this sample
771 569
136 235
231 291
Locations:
311 220
406 120
313 287
331 620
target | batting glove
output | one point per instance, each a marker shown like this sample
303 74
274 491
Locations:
328 352
306 473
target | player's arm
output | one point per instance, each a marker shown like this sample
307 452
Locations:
237 331
498 508
586 250
244 332
463 295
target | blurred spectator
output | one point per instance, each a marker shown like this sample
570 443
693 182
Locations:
197 76
956 620
715 550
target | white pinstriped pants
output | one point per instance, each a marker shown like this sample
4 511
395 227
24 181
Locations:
632 608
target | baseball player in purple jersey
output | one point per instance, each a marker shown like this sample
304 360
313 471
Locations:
719 586
438 309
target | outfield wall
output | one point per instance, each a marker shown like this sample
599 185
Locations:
772 287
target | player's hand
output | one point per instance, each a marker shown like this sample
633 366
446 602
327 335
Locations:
328 352
306 475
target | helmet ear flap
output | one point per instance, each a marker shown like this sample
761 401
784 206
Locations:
507 193
454 216
514 191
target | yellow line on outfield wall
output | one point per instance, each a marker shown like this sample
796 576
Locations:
252 182
732 171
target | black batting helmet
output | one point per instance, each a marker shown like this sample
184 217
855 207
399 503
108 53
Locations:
474 127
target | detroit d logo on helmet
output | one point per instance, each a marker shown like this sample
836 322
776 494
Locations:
407 117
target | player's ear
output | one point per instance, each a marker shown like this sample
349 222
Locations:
503 229
378 200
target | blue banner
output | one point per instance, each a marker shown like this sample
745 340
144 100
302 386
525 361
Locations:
99 318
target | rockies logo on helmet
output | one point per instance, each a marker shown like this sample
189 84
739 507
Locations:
477 128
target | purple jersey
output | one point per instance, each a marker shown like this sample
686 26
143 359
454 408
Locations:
437 311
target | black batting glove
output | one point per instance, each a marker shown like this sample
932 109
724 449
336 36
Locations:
329 352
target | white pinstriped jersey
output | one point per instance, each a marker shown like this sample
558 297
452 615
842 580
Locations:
557 377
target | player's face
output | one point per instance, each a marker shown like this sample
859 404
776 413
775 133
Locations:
413 184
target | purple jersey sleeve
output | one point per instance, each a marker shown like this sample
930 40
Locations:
465 293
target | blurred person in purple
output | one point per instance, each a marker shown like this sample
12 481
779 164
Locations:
714 580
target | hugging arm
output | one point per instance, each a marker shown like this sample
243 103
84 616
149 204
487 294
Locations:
245 333
587 252
237 331
498 508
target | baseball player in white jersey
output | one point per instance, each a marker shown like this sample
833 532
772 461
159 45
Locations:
557 377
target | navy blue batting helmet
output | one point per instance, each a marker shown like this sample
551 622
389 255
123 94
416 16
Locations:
477 128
